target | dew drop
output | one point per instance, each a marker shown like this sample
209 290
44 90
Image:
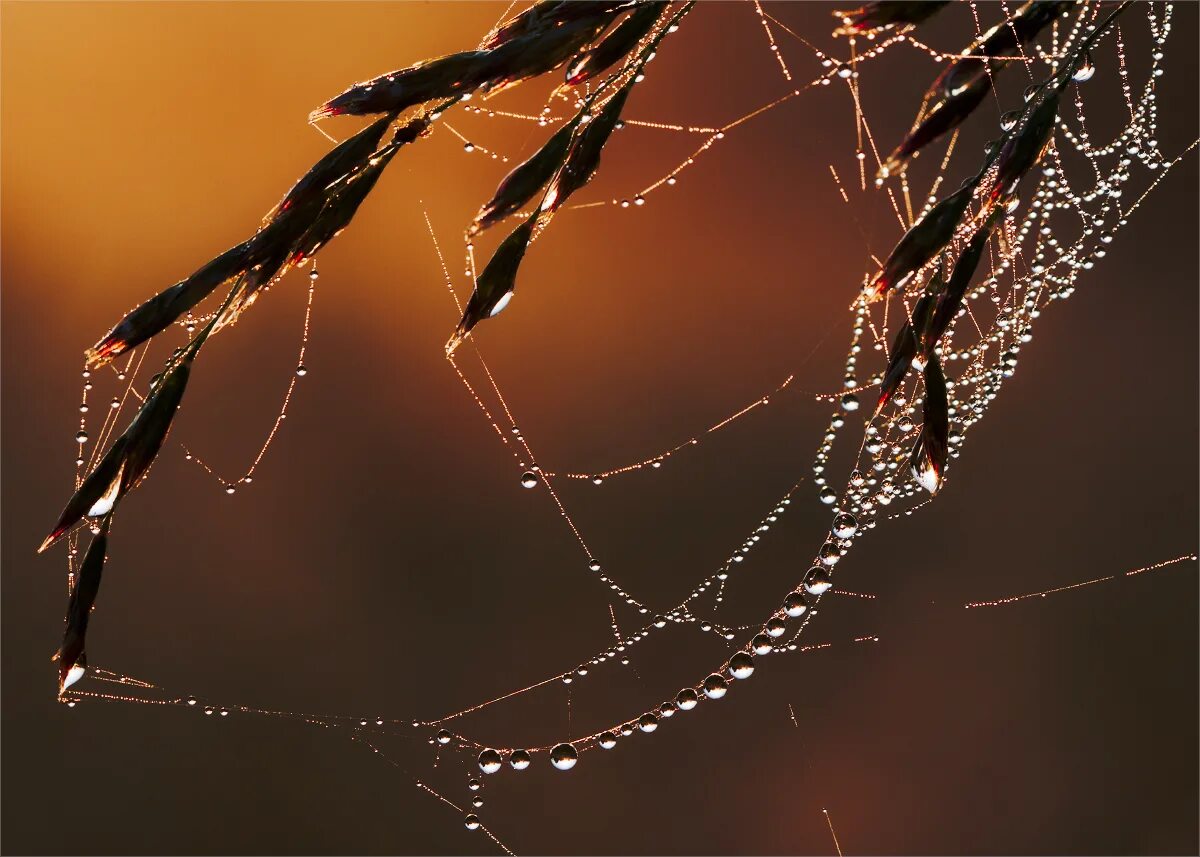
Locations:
715 686
1085 70
472 822
529 479
519 760
444 736
81 437
489 761
741 665
301 370
686 699
607 740
844 526
816 581
795 605
564 757
647 723
827 495
762 644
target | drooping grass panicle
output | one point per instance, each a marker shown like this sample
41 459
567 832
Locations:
547 14
931 451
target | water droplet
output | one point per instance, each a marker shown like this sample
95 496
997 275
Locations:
1008 121
816 581
775 627
686 699
444 736
830 553
468 147
489 761
81 437
849 402
715 686
607 740
301 370
844 526
477 801
1084 71
519 760
741 665
647 723
762 644
529 479
796 604
473 785
564 757
472 822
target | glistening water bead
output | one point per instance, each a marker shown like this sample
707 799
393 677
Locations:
844 526
519 760
816 581
607 740
686 699
715 686
741 665
564 757
489 761
529 479
647 723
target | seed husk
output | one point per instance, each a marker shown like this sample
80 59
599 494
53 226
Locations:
923 241
907 343
523 183
616 44
72 655
130 456
873 17
494 287
929 454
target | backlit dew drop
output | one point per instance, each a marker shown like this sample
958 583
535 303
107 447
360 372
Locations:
489 761
564 757
761 644
844 526
1085 70
471 822
594 566
715 686
519 760
473 785
477 801
817 581
849 402
686 699
500 304
444 736
529 479
741 665
796 604
229 489
775 627
607 740
115 403
827 495
647 723
468 147
830 554
301 370
81 437
1008 121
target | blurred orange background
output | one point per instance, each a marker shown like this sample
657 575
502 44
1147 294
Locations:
387 560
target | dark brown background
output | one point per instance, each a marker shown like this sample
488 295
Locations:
386 560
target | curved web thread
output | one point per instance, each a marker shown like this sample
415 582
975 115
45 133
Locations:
1029 267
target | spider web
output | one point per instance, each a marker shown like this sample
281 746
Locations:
1082 195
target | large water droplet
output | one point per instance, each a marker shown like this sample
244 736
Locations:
564 757
529 479
762 644
647 723
686 699
519 760
444 736
715 686
844 526
827 495
795 604
741 665
607 740
1084 71
489 761
817 581
472 822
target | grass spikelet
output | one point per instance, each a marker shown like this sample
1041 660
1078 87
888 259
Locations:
72 655
616 45
884 14
494 287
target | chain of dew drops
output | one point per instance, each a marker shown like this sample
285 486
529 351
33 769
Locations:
1022 283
